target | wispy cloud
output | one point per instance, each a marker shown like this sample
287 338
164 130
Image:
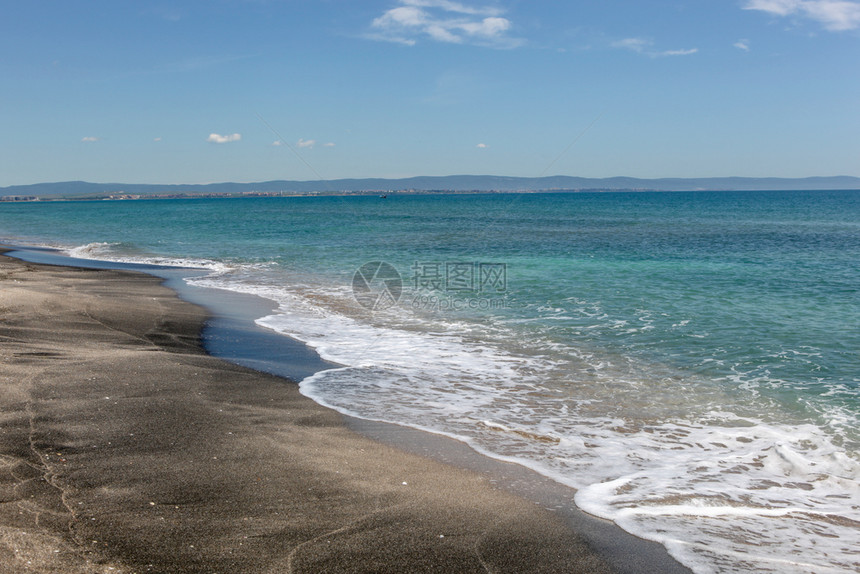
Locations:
834 15
778 7
219 139
646 47
444 21
742 44
688 52
89 139
303 143
482 146
635 44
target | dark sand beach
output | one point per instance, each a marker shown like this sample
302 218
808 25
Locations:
124 447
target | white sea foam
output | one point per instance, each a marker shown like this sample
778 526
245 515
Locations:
105 251
95 250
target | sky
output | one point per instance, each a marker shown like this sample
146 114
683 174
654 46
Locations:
257 90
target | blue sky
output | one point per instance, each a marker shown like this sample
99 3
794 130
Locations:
254 90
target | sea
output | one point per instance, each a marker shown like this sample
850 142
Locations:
688 361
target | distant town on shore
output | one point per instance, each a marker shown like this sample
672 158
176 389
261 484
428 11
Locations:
81 190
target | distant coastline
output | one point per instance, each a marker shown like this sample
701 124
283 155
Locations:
81 190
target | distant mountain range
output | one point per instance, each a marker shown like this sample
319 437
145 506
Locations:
452 183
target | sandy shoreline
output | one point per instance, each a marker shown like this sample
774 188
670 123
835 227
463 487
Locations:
124 447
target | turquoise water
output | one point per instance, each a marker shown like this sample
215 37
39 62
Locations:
689 361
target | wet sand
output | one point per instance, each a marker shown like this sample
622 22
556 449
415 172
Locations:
124 447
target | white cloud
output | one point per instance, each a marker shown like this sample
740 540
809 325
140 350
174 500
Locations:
443 21
89 139
635 44
482 146
646 47
778 7
676 52
401 16
834 15
742 44
302 143
156 139
218 138
487 27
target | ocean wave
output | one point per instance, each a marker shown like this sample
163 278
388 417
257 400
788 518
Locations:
107 251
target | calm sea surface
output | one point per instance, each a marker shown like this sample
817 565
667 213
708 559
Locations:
689 361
